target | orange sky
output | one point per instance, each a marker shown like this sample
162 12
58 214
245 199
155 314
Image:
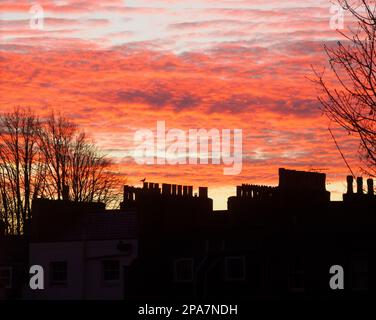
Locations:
118 66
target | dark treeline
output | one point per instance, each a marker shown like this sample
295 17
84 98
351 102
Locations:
48 158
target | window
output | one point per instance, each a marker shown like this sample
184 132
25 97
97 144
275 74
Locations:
111 270
5 277
183 270
59 273
296 280
235 268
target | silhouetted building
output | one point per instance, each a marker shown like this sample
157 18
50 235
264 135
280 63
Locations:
83 249
166 242
167 208
13 259
360 196
272 242
295 189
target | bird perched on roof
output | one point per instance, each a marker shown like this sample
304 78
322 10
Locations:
143 180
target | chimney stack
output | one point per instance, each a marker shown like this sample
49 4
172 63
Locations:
370 187
185 190
190 191
359 185
203 192
350 189
179 190
174 189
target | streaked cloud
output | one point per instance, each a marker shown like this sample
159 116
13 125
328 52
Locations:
117 66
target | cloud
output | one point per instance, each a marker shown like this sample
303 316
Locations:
115 67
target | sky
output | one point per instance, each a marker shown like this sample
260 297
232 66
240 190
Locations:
115 67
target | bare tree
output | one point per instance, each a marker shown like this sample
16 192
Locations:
20 167
75 162
44 158
56 136
350 100
90 176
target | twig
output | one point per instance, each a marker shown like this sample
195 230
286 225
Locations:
339 149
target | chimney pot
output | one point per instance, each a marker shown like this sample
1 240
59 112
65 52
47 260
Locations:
166 189
359 184
350 189
370 187
238 191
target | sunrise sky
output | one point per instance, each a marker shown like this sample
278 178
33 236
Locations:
118 66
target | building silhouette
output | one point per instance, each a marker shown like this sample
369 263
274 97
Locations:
167 243
272 242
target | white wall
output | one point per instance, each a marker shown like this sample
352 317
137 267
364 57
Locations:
84 268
